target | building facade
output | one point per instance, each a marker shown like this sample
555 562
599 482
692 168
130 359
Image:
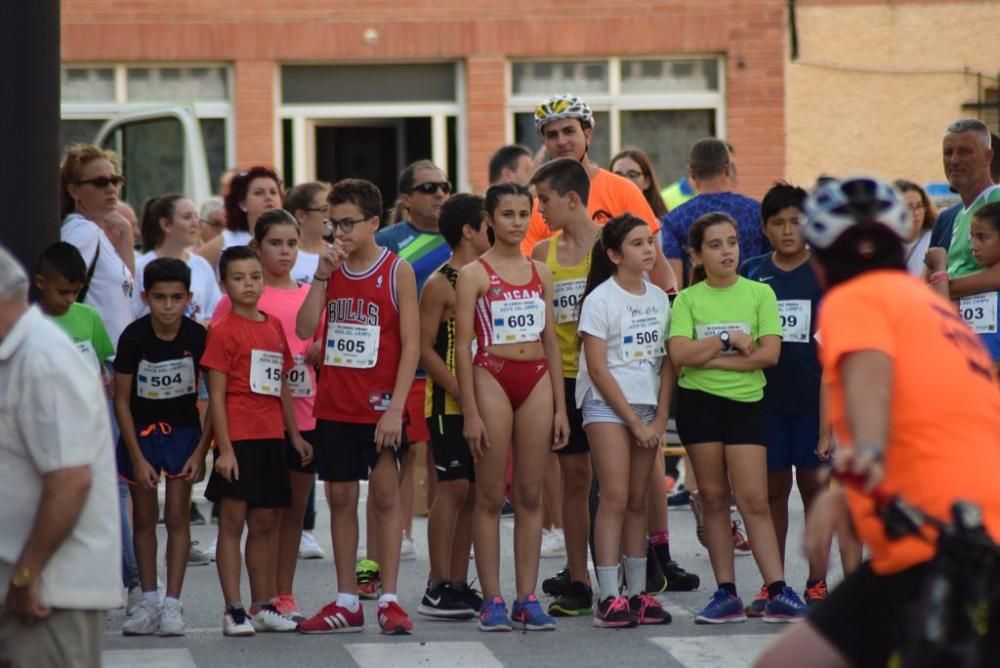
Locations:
325 89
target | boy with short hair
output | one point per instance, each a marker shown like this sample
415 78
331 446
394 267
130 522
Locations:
247 357
449 530
156 376
794 437
367 296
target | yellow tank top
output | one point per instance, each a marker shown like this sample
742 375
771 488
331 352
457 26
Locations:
567 297
437 402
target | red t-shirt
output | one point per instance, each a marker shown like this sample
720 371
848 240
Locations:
254 355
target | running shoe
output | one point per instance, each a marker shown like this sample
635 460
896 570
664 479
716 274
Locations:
493 615
723 608
369 580
132 600
558 584
656 582
196 557
236 623
759 602
407 549
741 546
613 613
507 509
681 497
288 607
197 519
442 602
309 548
143 621
553 543
393 620
647 610
171 618
469 596
267 619
530 615
578 600
816 594
210 552
669 483
699 518
679 579
333 618
785 607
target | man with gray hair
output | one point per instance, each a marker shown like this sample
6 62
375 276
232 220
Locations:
60 566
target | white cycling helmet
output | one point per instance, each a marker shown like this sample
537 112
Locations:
558 107
836 206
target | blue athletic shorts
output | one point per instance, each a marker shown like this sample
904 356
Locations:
791 440
992 343
166 448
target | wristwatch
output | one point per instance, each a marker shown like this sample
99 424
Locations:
21 577
726 345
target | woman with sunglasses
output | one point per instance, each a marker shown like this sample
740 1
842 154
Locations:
635 165
250 194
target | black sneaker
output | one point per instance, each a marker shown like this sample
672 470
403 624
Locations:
507 509
197 519
679 579
442 602
656 583
557 585
469 596
578 600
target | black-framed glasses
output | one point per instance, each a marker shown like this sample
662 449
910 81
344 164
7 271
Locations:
432 187
103 181
345 224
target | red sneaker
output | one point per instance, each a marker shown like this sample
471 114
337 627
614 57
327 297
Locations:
393 620
334 619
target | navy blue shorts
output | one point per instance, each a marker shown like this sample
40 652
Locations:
791 440
166 449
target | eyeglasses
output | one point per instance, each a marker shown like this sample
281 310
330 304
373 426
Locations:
345 224
214 224
630 174
103 181
432 187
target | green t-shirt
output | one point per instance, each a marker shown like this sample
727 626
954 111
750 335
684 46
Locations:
84 326
701 311
960 259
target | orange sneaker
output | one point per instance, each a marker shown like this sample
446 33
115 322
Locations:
756 607
287 607
816 594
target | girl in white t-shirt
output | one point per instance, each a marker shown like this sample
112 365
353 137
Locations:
170 229
307 202
623 389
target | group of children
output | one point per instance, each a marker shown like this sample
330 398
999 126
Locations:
572 351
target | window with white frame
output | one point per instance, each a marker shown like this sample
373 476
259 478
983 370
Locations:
92 94
659 104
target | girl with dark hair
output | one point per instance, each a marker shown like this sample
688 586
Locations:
724 330
623 389
635 165
512 398
170 227
307 202
250 194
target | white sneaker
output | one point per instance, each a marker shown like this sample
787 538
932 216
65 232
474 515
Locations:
237 624
210 552
407 549
172 619
132 600
553 543
268 619
144 620
309 548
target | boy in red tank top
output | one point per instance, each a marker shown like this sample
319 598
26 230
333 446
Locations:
364 298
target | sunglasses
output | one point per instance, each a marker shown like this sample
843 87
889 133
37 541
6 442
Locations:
103 181
432 187
345 224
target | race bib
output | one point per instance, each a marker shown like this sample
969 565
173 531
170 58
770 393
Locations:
165 380
265 372
300 380
643 337
567 296
796 320
708 331
980 312
88 352
517 320
353 346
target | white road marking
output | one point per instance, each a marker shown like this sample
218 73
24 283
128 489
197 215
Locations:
436 654
147 658
715 650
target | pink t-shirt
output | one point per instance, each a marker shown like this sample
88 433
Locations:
284 305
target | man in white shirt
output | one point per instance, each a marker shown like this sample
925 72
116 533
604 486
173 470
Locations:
60 566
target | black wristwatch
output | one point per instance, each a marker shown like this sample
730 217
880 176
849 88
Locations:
726 345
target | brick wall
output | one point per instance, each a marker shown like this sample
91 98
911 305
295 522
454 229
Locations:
259 36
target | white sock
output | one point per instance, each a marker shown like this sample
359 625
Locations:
151 597
385 599
349 601
607 581
635 575
170 600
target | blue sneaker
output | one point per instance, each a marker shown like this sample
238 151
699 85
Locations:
530 614
724 608
785 607
681 497
493 615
